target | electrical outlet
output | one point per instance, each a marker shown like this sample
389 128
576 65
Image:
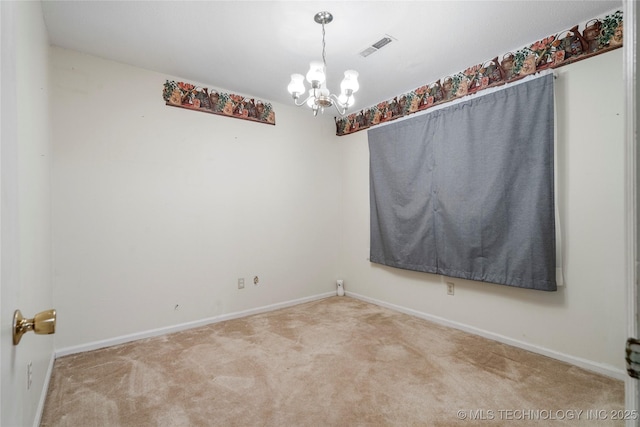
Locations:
450 288
256 280
241 283
29 375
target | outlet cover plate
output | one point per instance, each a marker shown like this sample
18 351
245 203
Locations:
450 288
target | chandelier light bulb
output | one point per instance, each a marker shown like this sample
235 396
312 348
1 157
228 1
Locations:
296 86
316 76
345 100
350 82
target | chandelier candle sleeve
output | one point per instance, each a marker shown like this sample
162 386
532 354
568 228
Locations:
319 95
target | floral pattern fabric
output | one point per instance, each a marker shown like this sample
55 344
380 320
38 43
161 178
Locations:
186 95
598 36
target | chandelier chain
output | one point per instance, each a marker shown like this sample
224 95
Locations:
324 56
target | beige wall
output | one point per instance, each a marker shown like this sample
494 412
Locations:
583 322
157 207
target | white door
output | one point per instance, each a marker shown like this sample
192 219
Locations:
25 213
10 393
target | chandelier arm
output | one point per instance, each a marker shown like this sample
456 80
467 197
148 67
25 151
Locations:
295 100
342 109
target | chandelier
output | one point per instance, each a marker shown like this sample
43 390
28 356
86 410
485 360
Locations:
319 96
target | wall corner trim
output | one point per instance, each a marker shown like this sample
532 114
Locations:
44 392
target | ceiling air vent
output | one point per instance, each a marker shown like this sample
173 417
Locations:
377 46
382 42
368 51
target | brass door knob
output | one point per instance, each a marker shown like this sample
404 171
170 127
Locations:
43 323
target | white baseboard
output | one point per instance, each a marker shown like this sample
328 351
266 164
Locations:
600 368
44 391
95 345
610 371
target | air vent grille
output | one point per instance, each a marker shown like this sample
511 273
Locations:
374 47
382 42
368 51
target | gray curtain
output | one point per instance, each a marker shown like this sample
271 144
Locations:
467 191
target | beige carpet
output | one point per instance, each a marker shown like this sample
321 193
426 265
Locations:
333 362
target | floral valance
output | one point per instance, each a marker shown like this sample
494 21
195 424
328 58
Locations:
186 95
598 36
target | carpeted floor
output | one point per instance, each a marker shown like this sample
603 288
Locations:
333 362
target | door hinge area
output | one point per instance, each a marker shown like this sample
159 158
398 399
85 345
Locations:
633 357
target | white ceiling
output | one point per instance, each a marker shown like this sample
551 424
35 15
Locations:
252 47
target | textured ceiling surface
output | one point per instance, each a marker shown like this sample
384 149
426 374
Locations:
252 47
